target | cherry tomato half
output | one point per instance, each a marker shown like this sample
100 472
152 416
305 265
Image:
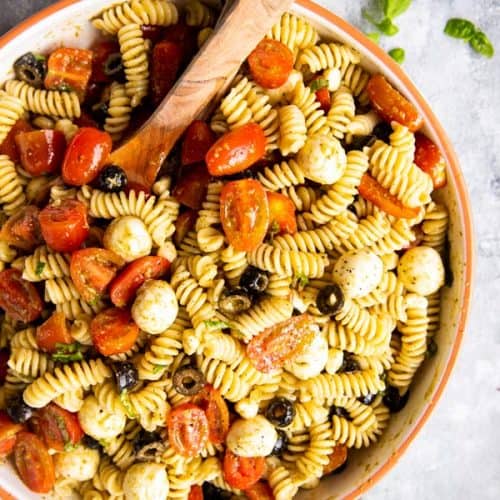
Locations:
271 63
430 160
270 349
104 51
123 288
259 491
336 459
52 332
242 472
58 427
166 62
86 156
323 97
22 229
217 412
391 105
92 270
64 225
187 429
191 188
19 298
33 463
197 141
236 150
185 36
195 493
8 146
244 212
281 213
41 151
372 191
113 331
8 432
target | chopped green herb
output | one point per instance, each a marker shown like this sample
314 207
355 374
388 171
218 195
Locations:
302 279
374 36
94 301
386 26
215 323
394 8
398 54
460 28
69 446
40 57
40 266
274 229
318 84
158 369
66 353
481 44
125 400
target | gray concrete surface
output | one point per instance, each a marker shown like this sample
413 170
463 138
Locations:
457 454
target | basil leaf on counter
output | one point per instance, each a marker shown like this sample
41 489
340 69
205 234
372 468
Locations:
394 8
481 44
460 28
398 54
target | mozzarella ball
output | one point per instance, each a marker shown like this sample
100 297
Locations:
322 159
333 77
99 423
155 307
311 360
283 92
167 251
128 237
146 481
79 464
247 408
421 270
358 272
252 437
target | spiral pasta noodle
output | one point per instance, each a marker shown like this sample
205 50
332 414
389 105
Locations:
295 32
402 140
234 264
315 118
11 109
282 484
121 451
435 226
12 196
342 112
119 110
361 125
71 401
30 362
60 290
355 78
327 56
293 130
78 308
44 264
109 478
282 175
149 405
198 14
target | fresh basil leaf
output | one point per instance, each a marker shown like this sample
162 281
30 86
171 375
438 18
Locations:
481 44
125 400
387 27
318 84
398 54
158 369
40 266
302 279
67 358
215 323
394 8
374 36
460 28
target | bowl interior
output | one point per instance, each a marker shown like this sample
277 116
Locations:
70 26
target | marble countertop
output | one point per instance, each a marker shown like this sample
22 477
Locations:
457 454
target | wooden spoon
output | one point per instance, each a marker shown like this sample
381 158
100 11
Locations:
237 34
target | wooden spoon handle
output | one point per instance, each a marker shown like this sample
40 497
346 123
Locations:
238 33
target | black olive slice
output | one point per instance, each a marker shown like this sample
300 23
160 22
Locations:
280 412
188 381
235 301
281 443
150 451
31 69
113 64
126 376
330 299
254 280
394 400
112 179
18 410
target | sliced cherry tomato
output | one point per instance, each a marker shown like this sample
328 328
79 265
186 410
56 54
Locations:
244 213
391 105
259 491
167 57
33 463
323 97
104 51
197 141
4 359
86 156
92 270
123 288
430 160
187 429
64 225
59 427
217 412
270 349
281 213
236 150
8 432
22 229
336 459
8 146
41 151
185 36
19 298
52 332
372 191
113 331
152 32
191 188
195 493
69 69
271 63
183 224
242 472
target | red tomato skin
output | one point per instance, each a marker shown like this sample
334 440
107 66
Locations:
166 62
33 463
197 141
323 97
101 52
336 459
4 359
428 157
18 297
8 146
195 493
124 287
113 331
58 427
187 429
8 432
242 472
22 229
185 36
152 32
52 332
270 349
236 150
64 225
183 224
41 151
259 491
191 188
86 156
282 212
271 63
244 213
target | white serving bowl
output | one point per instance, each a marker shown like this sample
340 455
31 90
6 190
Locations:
66 23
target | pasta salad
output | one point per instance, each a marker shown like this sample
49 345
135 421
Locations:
237 329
